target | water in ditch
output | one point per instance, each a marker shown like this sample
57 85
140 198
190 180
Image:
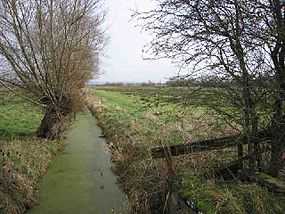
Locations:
80 181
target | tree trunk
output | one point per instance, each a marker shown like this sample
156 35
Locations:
277 145
250 119
249 112
278 120
52 125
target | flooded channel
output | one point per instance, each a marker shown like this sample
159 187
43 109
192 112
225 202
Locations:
80 180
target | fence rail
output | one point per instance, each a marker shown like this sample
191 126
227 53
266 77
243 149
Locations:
207 145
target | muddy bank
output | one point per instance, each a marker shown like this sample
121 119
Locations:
80 180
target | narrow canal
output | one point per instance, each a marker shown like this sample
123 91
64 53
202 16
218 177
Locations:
80 180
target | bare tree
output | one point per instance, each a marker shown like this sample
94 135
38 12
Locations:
213 38
274 38
50 49
237 41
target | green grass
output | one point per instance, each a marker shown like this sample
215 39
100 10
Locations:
179 95
224 104
135 120
17 117
152 117
232 197
22 164
23 158
118 99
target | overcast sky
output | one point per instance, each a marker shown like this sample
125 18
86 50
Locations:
123 61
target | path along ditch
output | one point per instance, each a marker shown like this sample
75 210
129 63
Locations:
81 180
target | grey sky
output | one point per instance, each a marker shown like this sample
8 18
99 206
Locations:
123 61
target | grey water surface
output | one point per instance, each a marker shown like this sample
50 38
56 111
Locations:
80 181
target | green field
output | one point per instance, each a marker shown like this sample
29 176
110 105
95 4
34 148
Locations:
17 116
155 114
137 119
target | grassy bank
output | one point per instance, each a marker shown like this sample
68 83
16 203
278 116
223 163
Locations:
17 117
134 123
23 158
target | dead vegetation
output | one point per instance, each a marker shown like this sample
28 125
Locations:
23 163
182 184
